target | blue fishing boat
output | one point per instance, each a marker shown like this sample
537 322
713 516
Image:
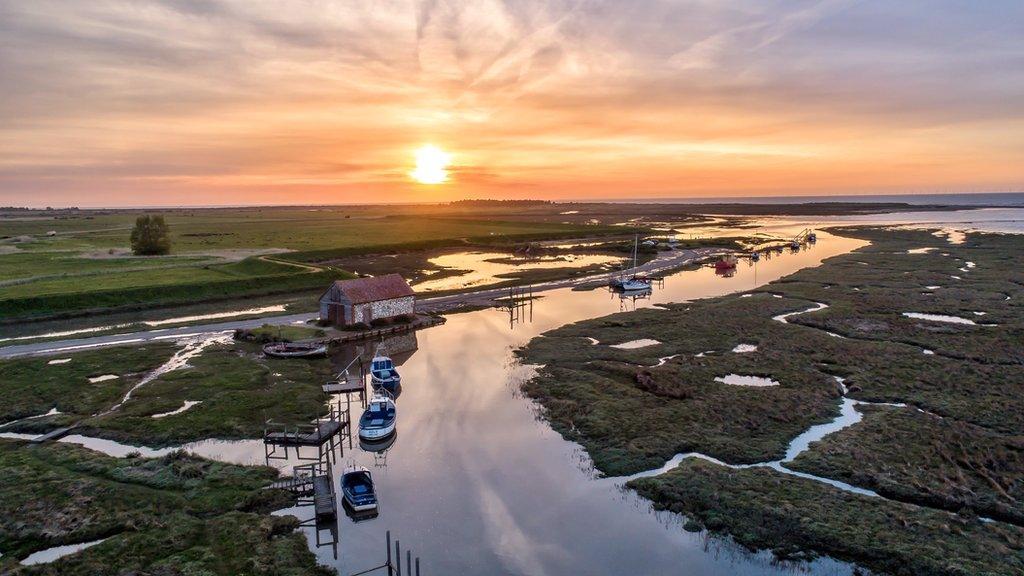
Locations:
383 373
357 489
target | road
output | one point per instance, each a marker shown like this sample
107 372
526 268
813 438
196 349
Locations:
663 262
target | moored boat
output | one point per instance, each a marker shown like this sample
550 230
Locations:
634 283
727 262
295 349
383 372
379 418
357 489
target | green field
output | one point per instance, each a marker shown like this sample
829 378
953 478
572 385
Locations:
173 515
73 263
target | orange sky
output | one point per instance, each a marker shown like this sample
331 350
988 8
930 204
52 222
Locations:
234 102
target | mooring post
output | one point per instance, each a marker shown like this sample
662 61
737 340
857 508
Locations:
408 562
417 566
388 536
398 556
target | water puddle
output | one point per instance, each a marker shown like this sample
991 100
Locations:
784 318
939 318
66 333
633 344
920 250
216 315
933 287
188 404
744 348
489 267
743 380
51 554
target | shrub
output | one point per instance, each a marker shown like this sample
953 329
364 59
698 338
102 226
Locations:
151 236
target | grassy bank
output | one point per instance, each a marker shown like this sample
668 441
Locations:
32 386
632 411
761 508
174 515
913 456
237 390
632 414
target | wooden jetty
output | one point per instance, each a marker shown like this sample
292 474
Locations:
324 434
324 502
313 484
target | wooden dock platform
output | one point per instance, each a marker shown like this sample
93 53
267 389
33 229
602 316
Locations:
323 497
297 486
306 436
344 387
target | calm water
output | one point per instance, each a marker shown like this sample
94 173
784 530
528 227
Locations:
476 484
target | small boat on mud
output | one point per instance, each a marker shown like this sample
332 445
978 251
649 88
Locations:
379 418
634 283
357 489
295 349
383 373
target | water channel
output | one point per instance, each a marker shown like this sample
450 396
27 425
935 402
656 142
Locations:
477 483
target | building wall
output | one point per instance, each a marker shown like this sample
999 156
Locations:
335 308
392 308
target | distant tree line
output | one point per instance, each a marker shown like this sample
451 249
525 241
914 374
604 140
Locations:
487 202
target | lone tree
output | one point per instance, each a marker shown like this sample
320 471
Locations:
151 236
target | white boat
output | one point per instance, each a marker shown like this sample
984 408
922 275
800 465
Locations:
379 419
634 283
383 372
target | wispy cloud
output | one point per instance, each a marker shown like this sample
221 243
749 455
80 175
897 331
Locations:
283 101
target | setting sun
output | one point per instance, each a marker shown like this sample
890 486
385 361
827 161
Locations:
431 164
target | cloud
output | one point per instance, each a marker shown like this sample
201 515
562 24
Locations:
561 98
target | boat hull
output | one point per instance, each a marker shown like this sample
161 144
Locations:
377 434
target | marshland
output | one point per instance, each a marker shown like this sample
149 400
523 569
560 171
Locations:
518 429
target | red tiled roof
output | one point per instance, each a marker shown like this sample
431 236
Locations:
376 288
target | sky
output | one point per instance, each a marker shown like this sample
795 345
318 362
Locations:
227 102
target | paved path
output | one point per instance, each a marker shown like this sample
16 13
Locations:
663 262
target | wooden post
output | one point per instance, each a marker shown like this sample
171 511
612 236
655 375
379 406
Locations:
398 556
388 536
408 562
417 566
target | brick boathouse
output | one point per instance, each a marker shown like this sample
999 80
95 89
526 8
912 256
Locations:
364 300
